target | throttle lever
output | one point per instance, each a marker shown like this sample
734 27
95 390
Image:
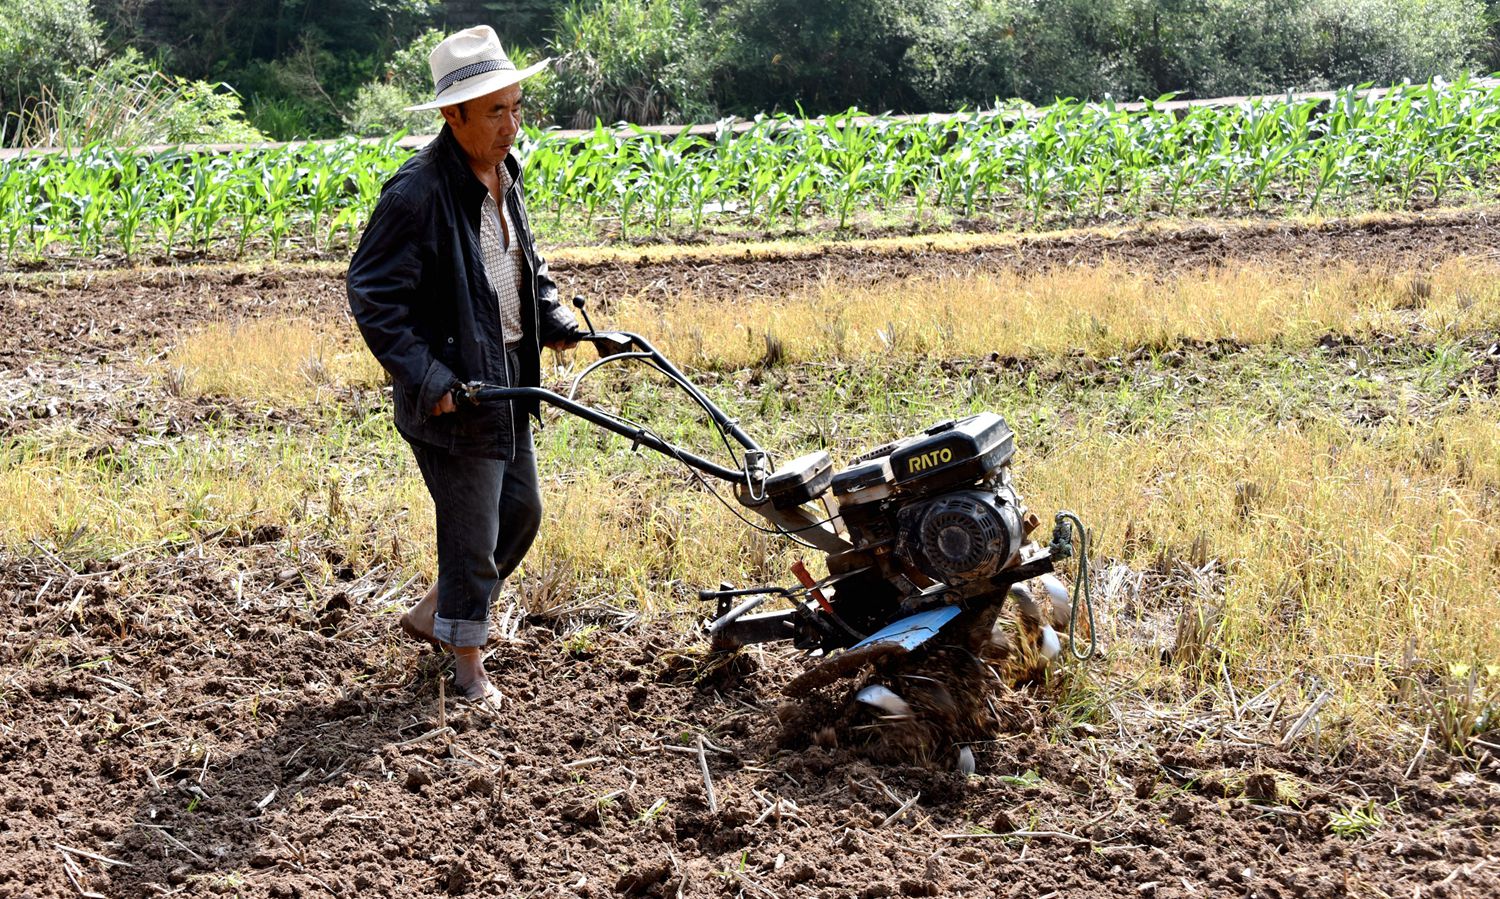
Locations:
578 303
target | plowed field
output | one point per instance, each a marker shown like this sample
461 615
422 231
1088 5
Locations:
236 714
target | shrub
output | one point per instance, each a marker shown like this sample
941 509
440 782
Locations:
780 54
379 107
281 118
641 61
1390 40
126 102
969 52
41 41
966 55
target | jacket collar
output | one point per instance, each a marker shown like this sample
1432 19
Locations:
455 168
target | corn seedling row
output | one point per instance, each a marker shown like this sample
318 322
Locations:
1415 144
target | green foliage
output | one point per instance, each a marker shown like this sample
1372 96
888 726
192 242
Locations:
923 55
778 54
127 102
280 118
967 54
108 199
639 61
1356 820
409 70
1389 40
40 42
1070 161
319 68
970 52
520 23
301 62
1464 708
379 107
226 37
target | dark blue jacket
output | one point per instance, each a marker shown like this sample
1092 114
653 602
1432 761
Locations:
418 290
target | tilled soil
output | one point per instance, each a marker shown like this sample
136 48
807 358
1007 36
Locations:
226 720
255 736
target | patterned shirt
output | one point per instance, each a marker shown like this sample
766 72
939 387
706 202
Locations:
503 265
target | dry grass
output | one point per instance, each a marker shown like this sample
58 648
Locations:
272 360
1354 556
339 484
1100 310
635 537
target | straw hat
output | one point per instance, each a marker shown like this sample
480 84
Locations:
471 64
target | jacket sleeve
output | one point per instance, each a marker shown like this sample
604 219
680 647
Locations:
554 321
383 282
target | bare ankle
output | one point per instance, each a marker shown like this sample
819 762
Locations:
468 665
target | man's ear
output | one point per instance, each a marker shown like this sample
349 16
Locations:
451 114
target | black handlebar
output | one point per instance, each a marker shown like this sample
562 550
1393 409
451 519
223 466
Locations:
478 392
609 343
578 303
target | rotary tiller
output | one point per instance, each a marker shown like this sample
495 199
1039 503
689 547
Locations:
923 537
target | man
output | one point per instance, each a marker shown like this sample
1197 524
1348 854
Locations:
447 287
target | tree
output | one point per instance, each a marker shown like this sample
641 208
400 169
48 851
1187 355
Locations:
822 56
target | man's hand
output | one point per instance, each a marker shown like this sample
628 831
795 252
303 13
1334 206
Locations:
563 343
444 405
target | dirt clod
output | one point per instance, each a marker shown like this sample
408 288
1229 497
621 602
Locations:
480 785
416 779
458 879
645 879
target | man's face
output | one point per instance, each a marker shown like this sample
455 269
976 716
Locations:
486 127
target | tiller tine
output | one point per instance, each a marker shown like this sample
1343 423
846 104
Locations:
893 641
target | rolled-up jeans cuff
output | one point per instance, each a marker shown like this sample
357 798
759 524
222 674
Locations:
458 632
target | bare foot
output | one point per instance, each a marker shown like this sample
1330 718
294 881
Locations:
417 622
468 661
470 678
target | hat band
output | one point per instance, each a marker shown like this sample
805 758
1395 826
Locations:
469 71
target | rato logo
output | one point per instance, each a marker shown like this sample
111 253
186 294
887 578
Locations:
929 460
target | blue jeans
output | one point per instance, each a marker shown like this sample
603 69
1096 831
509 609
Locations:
488 512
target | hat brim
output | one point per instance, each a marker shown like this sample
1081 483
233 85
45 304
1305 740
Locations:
478 87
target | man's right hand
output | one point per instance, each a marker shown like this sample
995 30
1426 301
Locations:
444 405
